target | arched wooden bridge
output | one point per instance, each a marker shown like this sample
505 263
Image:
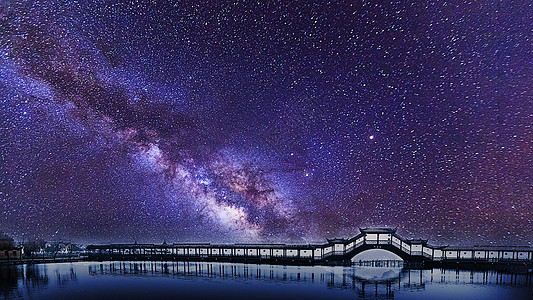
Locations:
335 251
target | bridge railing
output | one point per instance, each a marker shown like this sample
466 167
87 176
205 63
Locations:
397 245
327 254
406 250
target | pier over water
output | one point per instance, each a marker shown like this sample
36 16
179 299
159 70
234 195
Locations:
414 252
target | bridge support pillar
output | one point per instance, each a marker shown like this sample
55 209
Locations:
340 262
414 264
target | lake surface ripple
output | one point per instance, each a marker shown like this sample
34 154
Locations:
207 280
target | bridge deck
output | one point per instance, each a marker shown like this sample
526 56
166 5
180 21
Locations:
333 252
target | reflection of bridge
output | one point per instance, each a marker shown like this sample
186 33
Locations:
365 284
336 251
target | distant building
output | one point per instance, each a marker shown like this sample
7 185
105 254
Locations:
8 249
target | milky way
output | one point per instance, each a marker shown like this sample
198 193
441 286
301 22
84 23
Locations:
266 121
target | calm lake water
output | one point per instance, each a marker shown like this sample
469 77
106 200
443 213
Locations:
178 280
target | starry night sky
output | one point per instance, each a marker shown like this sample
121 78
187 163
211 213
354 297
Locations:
266 120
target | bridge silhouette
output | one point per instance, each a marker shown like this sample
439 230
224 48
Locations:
414 252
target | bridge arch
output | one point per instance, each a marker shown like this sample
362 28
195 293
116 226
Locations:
343 250
375 255
389 248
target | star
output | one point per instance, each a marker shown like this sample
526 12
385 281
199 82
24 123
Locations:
244 122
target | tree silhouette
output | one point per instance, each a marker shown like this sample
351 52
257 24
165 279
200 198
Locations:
30 247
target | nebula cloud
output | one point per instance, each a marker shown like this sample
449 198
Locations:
264 122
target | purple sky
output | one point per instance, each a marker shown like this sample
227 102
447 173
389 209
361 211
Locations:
266 121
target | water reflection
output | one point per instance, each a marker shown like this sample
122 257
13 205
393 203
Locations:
379 282
70 279
21 281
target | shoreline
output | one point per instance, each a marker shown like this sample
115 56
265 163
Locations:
30 261
506 268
